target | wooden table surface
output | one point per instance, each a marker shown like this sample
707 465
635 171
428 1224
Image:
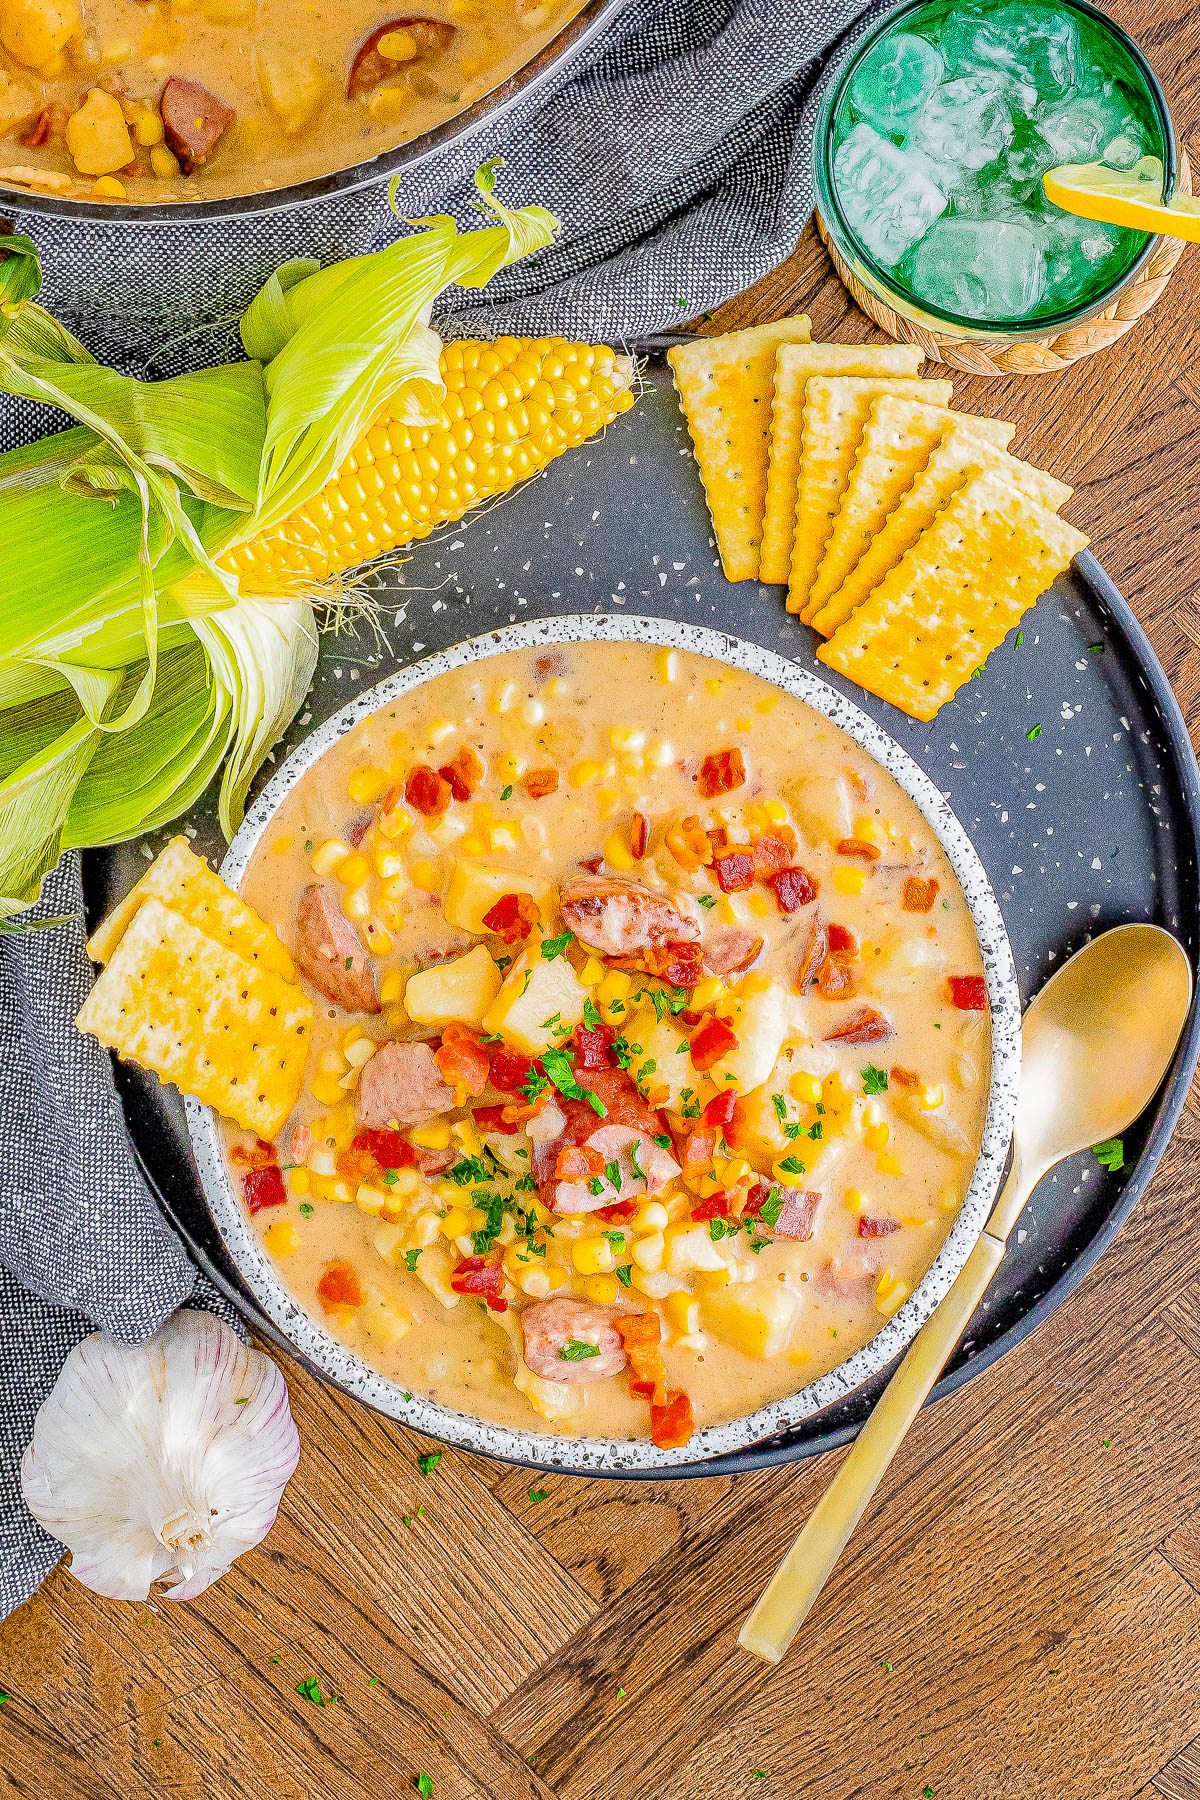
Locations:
1018 1617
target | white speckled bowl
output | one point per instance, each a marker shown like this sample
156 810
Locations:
357 1377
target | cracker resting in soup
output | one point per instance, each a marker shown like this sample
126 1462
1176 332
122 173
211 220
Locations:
651 1049
153 100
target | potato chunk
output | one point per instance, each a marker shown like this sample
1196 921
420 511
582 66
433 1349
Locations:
35 32
761 1021
660 1063
295 88
755 1317
536 1001
98 137
821 806
460 990
16 102
474 889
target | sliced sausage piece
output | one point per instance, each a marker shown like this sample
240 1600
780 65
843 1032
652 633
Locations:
193 121
618 917
617 1144
371 67
401 1085
729 952
331 954
587 1334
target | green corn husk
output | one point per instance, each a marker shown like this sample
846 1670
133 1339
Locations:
132 668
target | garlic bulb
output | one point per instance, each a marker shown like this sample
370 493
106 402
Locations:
161 1462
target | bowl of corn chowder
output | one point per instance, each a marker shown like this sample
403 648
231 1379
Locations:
665 1054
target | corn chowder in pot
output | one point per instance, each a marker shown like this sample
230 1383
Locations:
650 1060
153 100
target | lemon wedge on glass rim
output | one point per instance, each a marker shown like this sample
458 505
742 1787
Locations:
1130 197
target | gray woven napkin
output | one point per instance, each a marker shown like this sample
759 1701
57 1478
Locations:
678 158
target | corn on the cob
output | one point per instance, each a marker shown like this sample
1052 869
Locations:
510 408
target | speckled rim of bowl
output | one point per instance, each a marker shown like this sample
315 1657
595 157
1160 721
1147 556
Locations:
355 1376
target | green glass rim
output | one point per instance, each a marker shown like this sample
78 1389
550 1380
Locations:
835 219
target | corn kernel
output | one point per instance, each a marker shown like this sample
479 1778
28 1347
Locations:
707 993
661 755
503 837
557 1275
667 664
768 704
510 768
758 904
326 1091
281 1238
329 855
869 831
887 1164
648 1252
593 1255
776 812
848 880
714 684
476 1218
389 866
440 730
463 1132
474 845
616 851
532 712
557 687
391 987
607 802
613 992
369 1199
854 1200
340 1191
709 1279
432 1137
504 698
356 904
365 786
164 163
455 1222
396 1017
534 1282
807 1088
394 823
361 1052
876 1137
332 1062
582 773
379 938
107 187
426 877
406 1184
627 737
651 1215
683 1312
602 1290
948 1200
890 1293
592 972
298 1180
733 1170
930 1098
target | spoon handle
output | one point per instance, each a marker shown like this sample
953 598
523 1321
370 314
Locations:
788 1597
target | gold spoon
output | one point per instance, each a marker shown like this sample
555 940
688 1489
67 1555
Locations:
1095 1044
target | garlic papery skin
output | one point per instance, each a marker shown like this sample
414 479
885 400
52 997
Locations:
161 1462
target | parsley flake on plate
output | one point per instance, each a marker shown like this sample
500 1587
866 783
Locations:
536 1494
429 1462
1110 1155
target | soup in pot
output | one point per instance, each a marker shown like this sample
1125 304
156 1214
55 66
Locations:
651 1053
173 100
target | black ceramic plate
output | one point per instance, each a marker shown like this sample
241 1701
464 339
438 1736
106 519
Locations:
1090 821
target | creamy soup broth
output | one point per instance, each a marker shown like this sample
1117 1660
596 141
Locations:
174 100
838 982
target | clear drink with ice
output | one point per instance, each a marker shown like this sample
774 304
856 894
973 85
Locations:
935 140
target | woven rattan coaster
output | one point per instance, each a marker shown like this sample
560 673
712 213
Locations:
1027 356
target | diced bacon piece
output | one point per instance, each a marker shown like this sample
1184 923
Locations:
641 1334
463 773
729 952
619 1213
639 835
370 1151
796 1214
843 943
463 1059
680 964
869 1227
491 1118
264 1187
339 1286
672 1424
402 1085
699 1148
712 1042
721 1108
258 1155
330 952
427 792
593 864
866 1027
552 1329
510 1070
834 980
919 894
968 992
793 888
482 1279
538 783
773 852
858 847
903 1078
593 1047
713 1206
513 917
813 956
734 873
618 918
720 773
576 1162
641 1167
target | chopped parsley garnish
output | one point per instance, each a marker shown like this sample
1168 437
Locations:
411 1258
706 900
556 946
349 962
595 1185
308 846
552 1021
502 962
483 1239
612 1172
469 1169
625 1274
310 1689
536 1494
662 1140
1035 731
1110 1155
506 793
689 1105
575 1350
429 1462
771 1208
616 1239
557 1065
649 1066
874 1080
591 1016
306 1209
792 1165
780 1105
722 1228
623 1051
635 1159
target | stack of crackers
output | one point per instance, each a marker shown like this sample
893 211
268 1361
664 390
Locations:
201 990
906 533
